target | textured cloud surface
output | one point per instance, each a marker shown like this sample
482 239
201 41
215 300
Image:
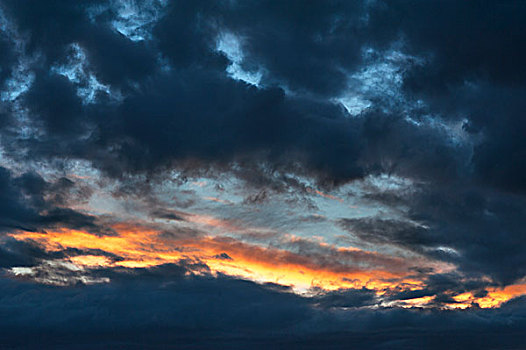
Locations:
272 174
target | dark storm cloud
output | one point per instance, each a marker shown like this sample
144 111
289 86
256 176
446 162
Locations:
476 39
23 205
474 71
495 114
165 309
13 208
6 60
304 46
377 230
15 253
61 116
197 112
50 25
236 121
483 228
486 229
223 304
347 298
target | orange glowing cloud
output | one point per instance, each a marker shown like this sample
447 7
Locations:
141 247
495 296
327 268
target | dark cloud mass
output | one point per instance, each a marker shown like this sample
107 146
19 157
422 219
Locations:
171 311
270 145
26 205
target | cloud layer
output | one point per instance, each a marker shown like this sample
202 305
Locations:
328 161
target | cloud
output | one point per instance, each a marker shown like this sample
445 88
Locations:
200 311
377 146
478 232
25 207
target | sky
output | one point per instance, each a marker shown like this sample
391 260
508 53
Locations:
262 174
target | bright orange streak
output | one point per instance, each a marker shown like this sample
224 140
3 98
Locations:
494 298
140 247
90 260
